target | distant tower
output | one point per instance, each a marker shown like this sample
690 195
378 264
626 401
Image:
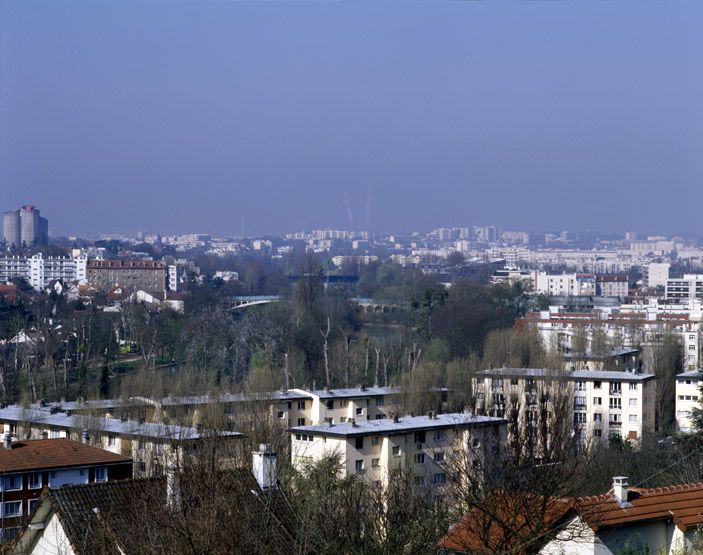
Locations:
11 228
33 228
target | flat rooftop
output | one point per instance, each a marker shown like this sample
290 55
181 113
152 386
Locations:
15 413
405 424
691 374
604 375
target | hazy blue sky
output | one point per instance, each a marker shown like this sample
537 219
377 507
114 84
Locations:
191 116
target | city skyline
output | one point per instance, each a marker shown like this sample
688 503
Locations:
294 116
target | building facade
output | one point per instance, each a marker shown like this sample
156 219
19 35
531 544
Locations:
424 445
688 397
132 275
600 404
26 467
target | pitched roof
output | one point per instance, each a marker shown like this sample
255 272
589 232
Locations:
682 503
132 516
54 453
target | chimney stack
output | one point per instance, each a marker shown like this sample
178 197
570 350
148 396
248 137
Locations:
620 488
264 466
8 440
173 487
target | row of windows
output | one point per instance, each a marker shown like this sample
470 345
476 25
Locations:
580 418
688 397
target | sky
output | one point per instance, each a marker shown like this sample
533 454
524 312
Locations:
267 117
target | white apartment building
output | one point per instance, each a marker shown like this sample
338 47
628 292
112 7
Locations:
605 403
628 325
688 287
657 274
423 444
566 285
149 445
40 271
687 397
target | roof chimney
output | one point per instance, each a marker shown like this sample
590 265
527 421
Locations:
620 488
8 440
173 487
264 466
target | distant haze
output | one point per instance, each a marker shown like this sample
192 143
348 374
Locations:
198 116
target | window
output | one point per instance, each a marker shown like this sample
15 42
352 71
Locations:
329 404
633 386
101 474
375 463
597 417
439 435
597 400
379 401
359 411
12 482
54 434
633 418
633 402
580 386
420 458
380 416
301 405
279 415
396 451
359 465
580 402
419 437
615 388
439 457
513 381
596 385
31 505
301 421
597 433
12 508
110 441
420 480
359 442
439 479
579 418
615 403
297 436
375 440
35 480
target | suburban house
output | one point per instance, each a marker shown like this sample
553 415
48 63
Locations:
423 444
26 467
663 520
148 515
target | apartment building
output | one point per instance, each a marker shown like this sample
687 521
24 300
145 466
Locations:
688 397
423 444
149 445
40 271
612 285
565 285
688 287
26 467
132 275
603 403
628 325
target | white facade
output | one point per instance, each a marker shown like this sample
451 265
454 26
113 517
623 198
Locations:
688 287
658 274
605 403
687 398
567 285
40 271
423 444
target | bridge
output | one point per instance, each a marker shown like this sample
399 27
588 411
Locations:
370 306
252 300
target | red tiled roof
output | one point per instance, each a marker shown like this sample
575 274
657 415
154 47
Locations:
53 453
682 503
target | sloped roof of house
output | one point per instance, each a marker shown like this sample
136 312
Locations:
53 453
133 516
682 503
482 532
